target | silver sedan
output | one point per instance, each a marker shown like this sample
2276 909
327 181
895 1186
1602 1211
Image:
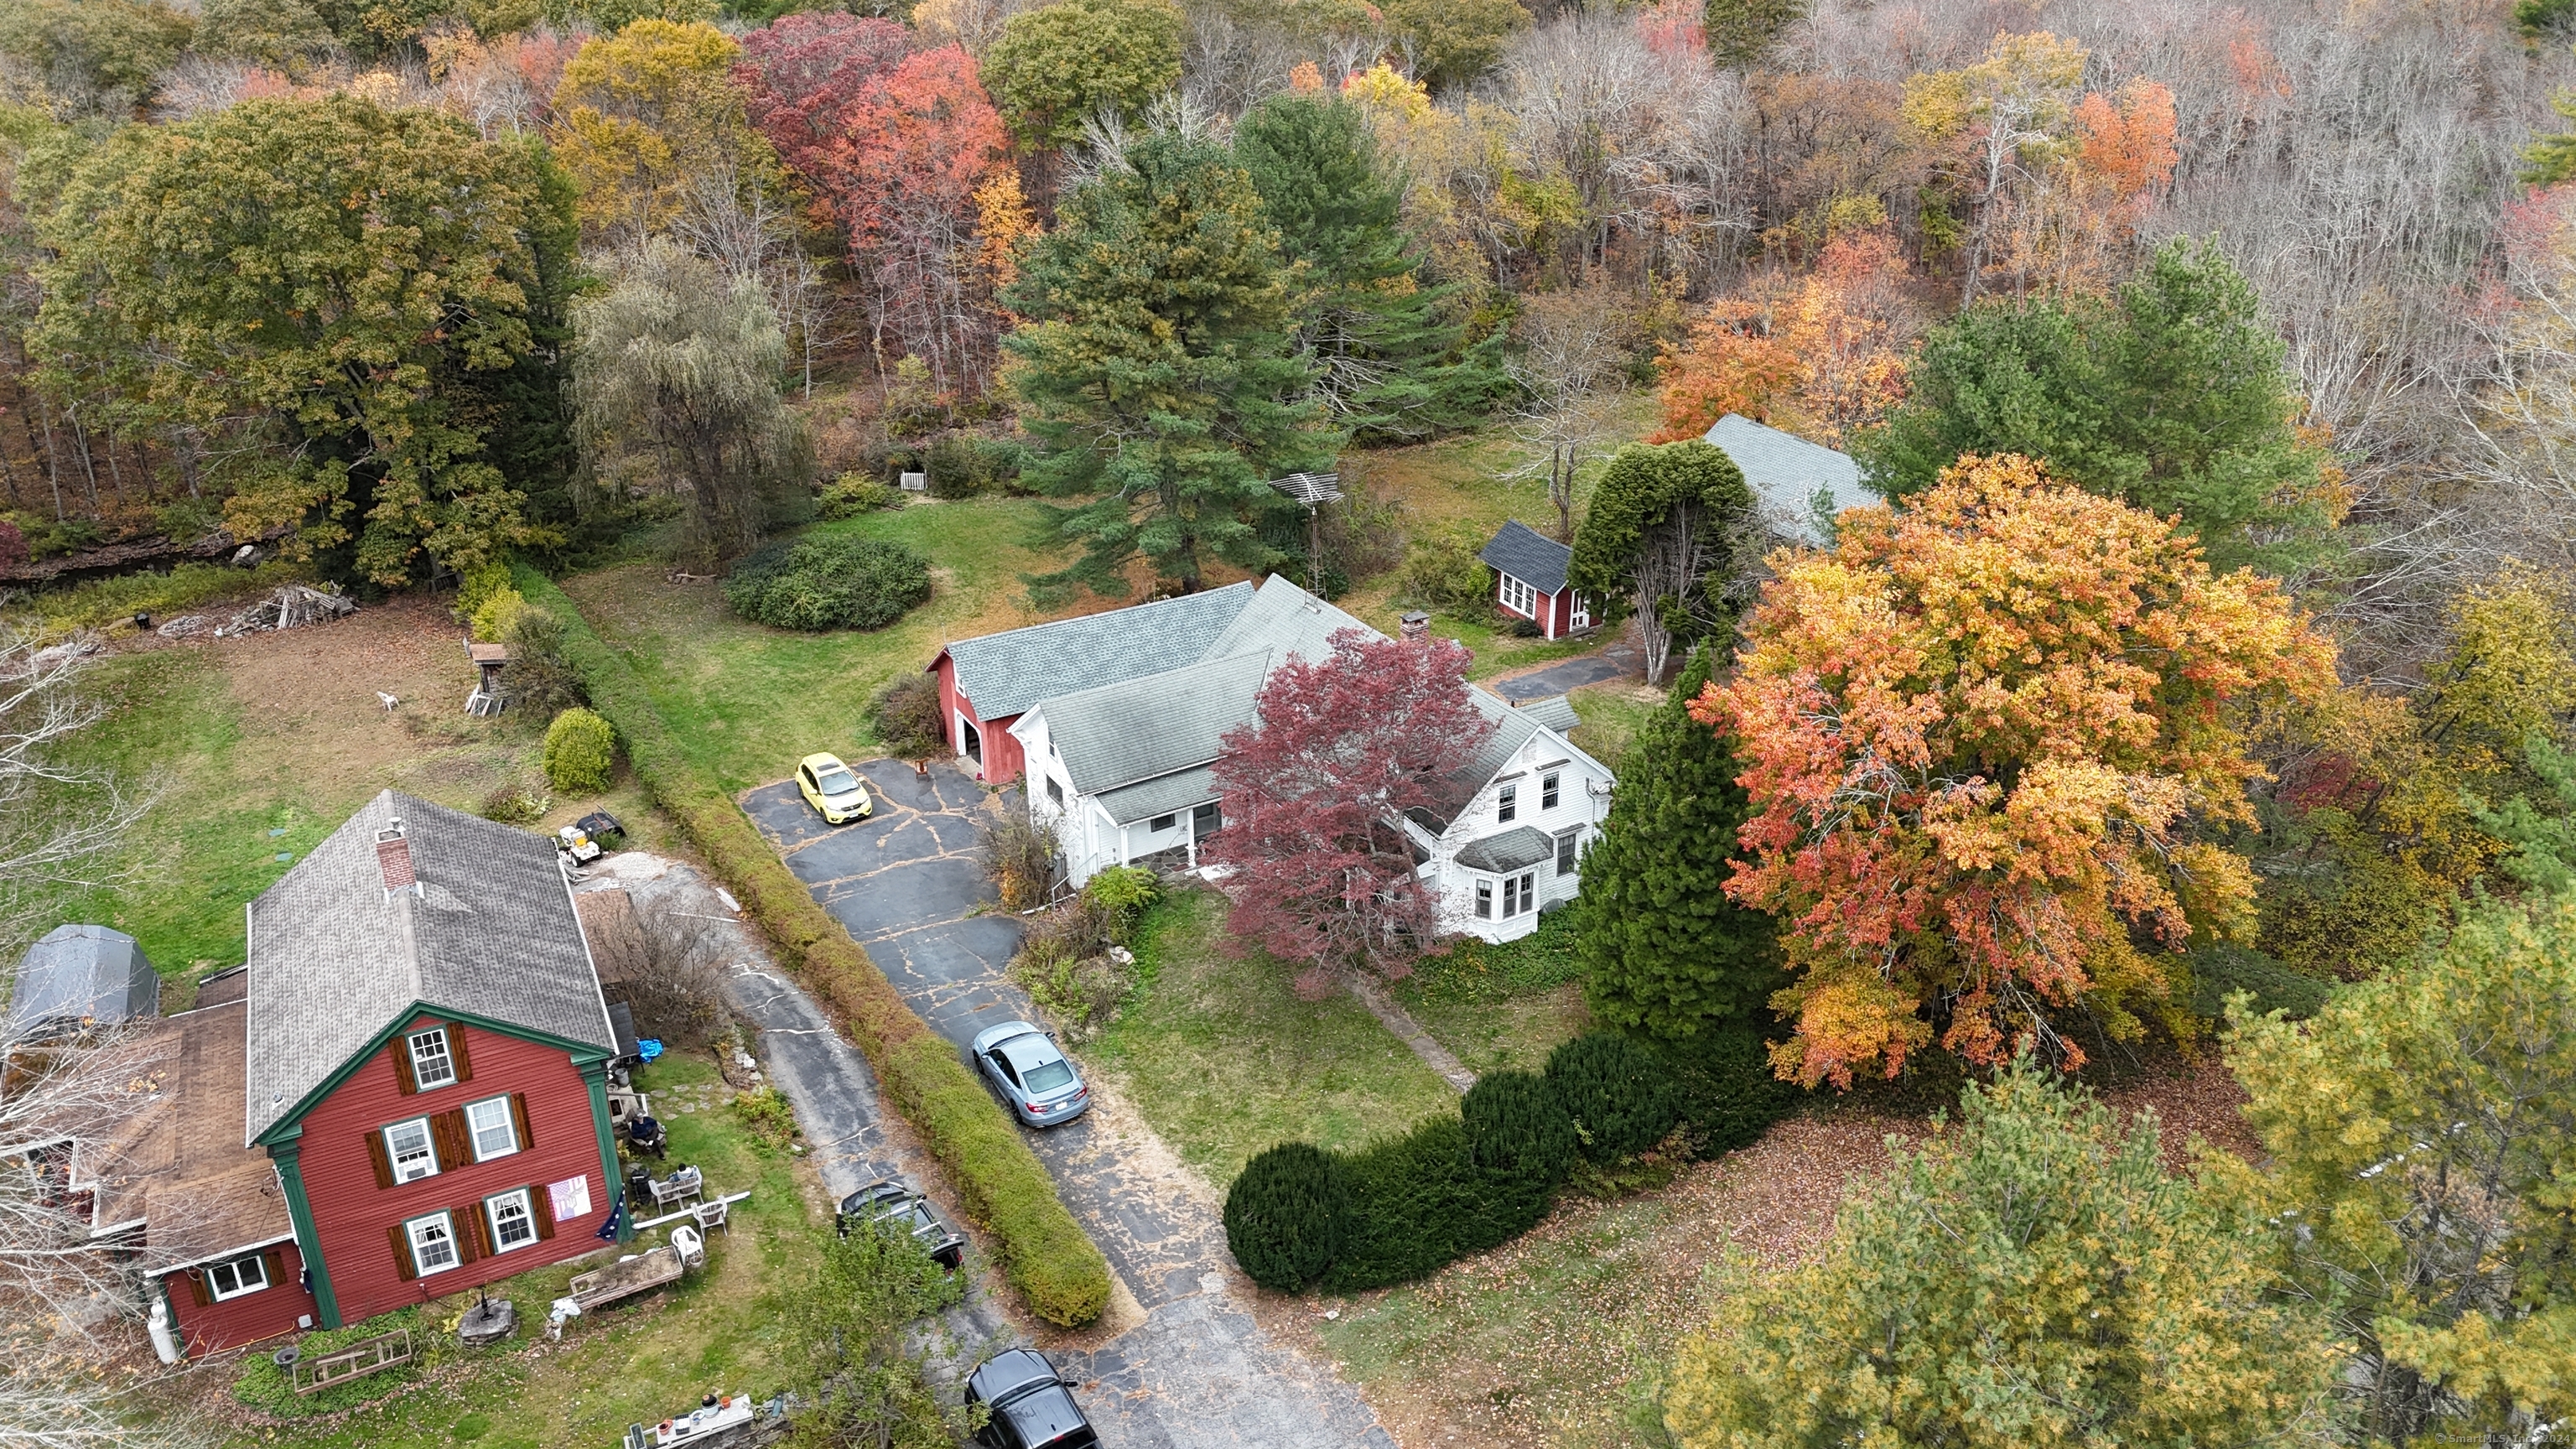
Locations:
1031 1072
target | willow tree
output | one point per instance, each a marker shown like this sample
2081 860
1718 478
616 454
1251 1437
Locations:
676 375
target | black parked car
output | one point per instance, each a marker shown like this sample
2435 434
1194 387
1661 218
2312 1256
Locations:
1031 1409
889 1204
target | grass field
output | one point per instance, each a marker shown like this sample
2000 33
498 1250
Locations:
1502 1006
1223 1059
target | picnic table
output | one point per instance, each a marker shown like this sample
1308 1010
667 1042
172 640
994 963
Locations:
635 1273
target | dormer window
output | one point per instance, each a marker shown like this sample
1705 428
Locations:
432 1063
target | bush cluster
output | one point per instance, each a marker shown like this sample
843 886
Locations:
908 718
1444 574
1065 960
1404 1206
852 494
581 751
2220 971
962 465
1043 1250
815 584
516 805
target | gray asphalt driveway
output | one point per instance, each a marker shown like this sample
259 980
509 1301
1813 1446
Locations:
909 885
1616 660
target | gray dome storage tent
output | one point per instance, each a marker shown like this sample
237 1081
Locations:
82 973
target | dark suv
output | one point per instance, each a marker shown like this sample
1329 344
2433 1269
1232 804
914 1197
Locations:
889 1204
1031 1409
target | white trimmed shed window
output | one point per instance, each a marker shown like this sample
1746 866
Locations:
1518 596
489 1121
242 1275
433 1243
408 1148
514 1224
432 1065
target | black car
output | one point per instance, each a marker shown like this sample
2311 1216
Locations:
1031 1409
889 1204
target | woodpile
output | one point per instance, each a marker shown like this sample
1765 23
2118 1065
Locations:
291 607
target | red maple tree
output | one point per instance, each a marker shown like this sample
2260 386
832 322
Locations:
800 74
1316 791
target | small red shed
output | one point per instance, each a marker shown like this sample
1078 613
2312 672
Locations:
1529 580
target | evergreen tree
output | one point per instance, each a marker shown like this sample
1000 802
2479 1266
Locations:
1390 355
2173 397
1665 951
1155 368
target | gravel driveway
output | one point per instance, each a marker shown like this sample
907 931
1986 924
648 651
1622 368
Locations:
908 884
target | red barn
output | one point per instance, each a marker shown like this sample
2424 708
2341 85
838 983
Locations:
1529 580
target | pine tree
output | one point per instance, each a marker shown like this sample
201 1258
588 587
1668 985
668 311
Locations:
1665 951
1392 359
1155 368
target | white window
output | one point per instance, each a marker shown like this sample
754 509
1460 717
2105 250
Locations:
1163 822
1519 894
1547 792
1569 857
1484 900
1055 792
1206 820
1581 616
431 1065
514 1225
1519 597
494 1136
407 1147
433 1244
1507 803
240 1276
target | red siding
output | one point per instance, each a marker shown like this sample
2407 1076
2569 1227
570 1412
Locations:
1550 613
1003 759
351 1213
248 1319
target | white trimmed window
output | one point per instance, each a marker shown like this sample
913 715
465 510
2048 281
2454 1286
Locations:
232 1280
489 1123
432 1065
514 1223
1484 900
407 1147
1581 617
1519 597
433 1243
1569 851
1547 790
1519 894
1507 803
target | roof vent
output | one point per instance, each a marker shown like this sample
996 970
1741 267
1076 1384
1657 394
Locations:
393 858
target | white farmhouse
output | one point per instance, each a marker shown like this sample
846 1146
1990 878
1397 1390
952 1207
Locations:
1117 744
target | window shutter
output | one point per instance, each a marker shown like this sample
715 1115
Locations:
402 1252
275 1262
519 1120
384 1162
447 1133
468 1223
456 1051
541 1206
404 1082
197 1293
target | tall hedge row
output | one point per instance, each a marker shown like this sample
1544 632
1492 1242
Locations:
1044 1251
1405 1206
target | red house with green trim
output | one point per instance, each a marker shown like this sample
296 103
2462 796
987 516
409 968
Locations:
423 1072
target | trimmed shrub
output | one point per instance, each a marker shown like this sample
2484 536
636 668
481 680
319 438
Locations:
581 751
815 584
1521 1140
1417 1204
1043 1251
1616 1091
1287 1215
852 494
1724 1091
493 618
478 586
2222 970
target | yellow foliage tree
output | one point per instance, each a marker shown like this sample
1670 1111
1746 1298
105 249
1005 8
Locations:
650 113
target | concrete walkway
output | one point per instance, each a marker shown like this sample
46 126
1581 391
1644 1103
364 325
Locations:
909 885
1400 1021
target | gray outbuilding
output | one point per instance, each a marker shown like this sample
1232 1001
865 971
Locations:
81 975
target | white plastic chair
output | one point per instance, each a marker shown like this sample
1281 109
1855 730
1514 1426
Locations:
691 1245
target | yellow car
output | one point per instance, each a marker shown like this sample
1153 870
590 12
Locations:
833 789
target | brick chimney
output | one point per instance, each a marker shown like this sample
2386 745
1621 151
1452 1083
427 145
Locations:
393 859
1416 627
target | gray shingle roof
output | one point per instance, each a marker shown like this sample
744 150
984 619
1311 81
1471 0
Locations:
1149 798
333 961
1137 729
1785 473
1530 556
1556 712
1515 849
1288 622
79 973
1006 673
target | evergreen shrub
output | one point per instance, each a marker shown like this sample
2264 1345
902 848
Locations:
962 465
815 584
1287 1215
1417 1204
1725 1094
1616 1091
1521 1141
580 752
2219 971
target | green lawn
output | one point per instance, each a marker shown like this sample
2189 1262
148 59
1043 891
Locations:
1224 1060
1612 715
1502 1006
748 700
635 1362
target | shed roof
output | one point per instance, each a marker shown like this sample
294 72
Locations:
78 974
1529 556
1004 674
336 959
1786 473
1515 849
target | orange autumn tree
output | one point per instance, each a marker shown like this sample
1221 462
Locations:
2079 230
1833 344
1983 738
